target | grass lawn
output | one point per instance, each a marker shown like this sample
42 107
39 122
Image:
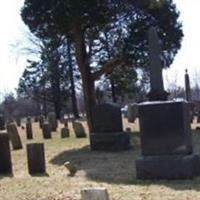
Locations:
115 171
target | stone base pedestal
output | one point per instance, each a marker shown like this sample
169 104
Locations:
168 167
109 141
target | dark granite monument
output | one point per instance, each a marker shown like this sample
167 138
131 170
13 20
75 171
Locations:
166 143
107 134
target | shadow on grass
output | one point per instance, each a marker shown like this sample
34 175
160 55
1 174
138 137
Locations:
117 167
2 176
40 175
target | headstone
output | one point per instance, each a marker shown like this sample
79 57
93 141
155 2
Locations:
46 130
132 112
107 133
78 129
29 130
166 143
157 91
41 120
18 121
36 158
2 122
52 121
64 132
94 194
5 155
14 136
166 139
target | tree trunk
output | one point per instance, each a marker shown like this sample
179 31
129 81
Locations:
114 98
73 91
87 80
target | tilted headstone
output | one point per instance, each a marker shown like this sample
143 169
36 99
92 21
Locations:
64 132
29 130
5 155
46 130
132 112
2 122
36 158
94 194
78 129
107 133
157 91
14 136
53 121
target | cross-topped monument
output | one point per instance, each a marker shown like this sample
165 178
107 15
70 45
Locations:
157 92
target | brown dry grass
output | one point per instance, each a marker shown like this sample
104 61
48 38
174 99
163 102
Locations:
115 171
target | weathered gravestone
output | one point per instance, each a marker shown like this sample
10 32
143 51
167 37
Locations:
41 120
132 112
78 129
5 155
2 122
64 132
52 121
166 143
46 130
14 136
94 194
18 121
29 130
107 133
36 158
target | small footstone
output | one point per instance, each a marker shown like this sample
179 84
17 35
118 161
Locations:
72 169
64 132
36 158
5 155
94 194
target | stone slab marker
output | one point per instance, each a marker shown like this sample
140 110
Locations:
78 129
2 122
36 158
52 121
29 130
5 155
107 133
46 130
94 194
64 132
14 136
18 122
157 91
41 120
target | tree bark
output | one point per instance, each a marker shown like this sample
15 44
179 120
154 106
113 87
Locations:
87 79
73 91
114 98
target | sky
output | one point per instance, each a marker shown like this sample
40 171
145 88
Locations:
12 31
